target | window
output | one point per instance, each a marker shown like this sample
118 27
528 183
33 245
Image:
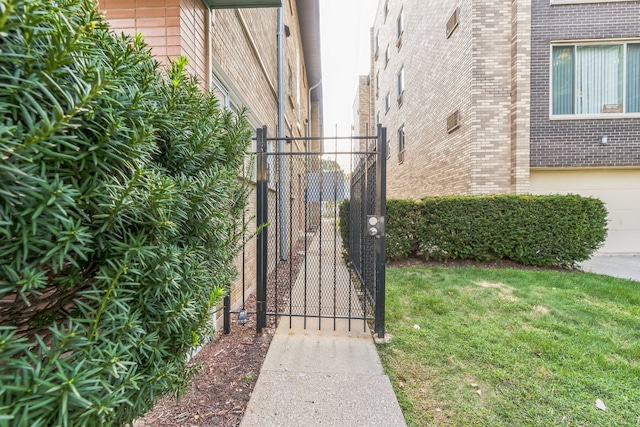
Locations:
388 148
220 92
453 121
377 82
399 29
387 56
378 118
401 144
453 22
387 102
595 79
386 9
400 85
377 47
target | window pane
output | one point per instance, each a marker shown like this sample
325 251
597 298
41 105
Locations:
633 78
563 87
599 78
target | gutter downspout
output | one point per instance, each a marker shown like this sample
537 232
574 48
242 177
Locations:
209 20
307 143
281 166
309 109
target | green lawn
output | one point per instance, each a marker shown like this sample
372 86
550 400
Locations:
512 347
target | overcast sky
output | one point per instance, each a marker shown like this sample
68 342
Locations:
344 26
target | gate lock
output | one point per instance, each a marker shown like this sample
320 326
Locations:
376 225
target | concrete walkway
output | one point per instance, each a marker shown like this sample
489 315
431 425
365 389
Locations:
622 266
319 376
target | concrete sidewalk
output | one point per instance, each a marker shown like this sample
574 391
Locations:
622 266
319 376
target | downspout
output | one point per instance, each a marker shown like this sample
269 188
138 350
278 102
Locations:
309 108
307 142
209 21
281 166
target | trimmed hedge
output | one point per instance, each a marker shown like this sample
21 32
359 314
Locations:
556 230
403 220
120 216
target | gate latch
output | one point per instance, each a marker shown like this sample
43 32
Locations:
375 225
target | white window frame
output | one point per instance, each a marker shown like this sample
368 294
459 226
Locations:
387 103
603 42
219 87
387 56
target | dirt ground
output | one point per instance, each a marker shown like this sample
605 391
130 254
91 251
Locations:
218 394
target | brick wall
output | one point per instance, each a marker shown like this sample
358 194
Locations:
438 80
471 71
157 20
193 37
491 119
363 110
244 50
520 95
572 143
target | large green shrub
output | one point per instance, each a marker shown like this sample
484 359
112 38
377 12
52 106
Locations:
557 230
120 212
403 219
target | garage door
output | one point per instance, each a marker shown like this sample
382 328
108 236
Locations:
618 188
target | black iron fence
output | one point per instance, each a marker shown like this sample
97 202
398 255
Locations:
301 273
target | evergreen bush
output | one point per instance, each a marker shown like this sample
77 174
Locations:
403 219
554 230
120 215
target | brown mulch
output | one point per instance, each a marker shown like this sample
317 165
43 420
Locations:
219 392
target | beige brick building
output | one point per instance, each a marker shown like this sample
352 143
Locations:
445 96
234 53
467 93
363 118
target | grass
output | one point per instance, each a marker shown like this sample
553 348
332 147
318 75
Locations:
512 347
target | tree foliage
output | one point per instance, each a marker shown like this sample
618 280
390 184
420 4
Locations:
120 216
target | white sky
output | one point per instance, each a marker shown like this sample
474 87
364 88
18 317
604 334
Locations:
345 42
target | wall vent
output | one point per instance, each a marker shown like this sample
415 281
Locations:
453 121
453 22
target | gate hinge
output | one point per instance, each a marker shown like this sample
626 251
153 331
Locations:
376 226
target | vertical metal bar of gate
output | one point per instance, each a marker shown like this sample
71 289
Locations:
261 221
381 213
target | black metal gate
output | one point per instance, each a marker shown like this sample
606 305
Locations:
320 211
